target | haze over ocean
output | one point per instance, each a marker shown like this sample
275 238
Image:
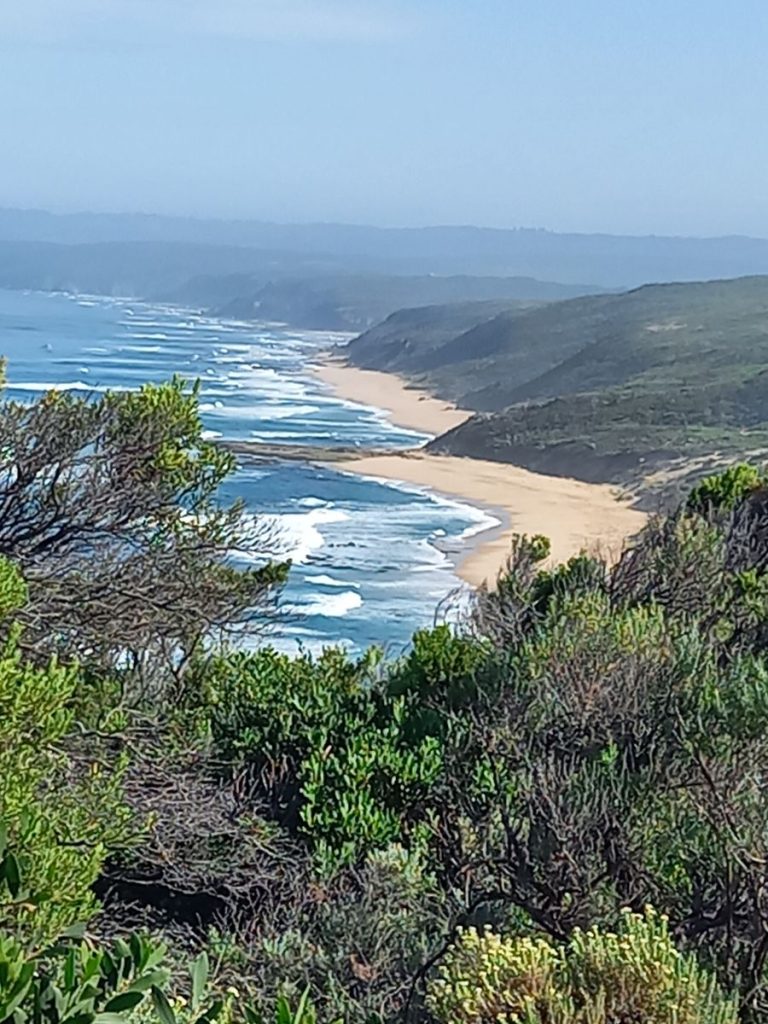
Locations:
370 560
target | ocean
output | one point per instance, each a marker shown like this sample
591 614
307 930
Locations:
371 560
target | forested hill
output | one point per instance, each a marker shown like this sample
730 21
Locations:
591 385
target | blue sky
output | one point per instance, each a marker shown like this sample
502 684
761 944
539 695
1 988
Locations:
586 115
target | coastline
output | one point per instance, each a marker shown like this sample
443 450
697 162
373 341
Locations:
575 515
405 405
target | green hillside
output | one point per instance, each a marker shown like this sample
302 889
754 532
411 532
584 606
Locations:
592 385
417 339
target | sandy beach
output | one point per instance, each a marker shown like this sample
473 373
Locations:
575 516
407 406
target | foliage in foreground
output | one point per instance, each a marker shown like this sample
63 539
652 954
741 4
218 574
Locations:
109 507
59 820
635 974
326 828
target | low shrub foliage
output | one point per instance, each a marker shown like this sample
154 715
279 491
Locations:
475 832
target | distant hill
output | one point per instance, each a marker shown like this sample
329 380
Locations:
355 301
610 261
596 386
305 290
409 341
141 269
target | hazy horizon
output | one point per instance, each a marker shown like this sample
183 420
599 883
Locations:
77 212
379 112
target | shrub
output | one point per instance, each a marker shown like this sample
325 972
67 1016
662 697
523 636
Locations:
723 491
440 664
336 758
486 979
108 506
76 982
61 816
636 974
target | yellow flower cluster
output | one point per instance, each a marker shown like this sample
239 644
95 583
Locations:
488 978
599 977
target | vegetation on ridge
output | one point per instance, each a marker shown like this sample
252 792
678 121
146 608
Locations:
597 386
553 813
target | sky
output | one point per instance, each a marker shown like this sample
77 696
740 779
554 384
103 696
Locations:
572 115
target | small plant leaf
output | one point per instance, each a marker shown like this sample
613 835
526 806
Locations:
125 1001
199 973
12 874
163 1008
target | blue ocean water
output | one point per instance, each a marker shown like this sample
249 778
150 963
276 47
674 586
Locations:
371 559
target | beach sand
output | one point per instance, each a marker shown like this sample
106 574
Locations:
574 515
407 406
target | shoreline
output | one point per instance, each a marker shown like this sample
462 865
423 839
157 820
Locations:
405 405
576 516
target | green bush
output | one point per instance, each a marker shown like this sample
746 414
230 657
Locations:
338 760
73 980
723 491
61 814
633 975
77 983
441 664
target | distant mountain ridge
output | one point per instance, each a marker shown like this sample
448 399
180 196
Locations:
610 261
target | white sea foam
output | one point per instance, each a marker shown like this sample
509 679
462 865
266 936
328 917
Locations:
487 522
333 606
439 561
290 435
72 385
295 536
311 502
329 581
280 412
269 390
232 349
141 324
480 519
148 336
